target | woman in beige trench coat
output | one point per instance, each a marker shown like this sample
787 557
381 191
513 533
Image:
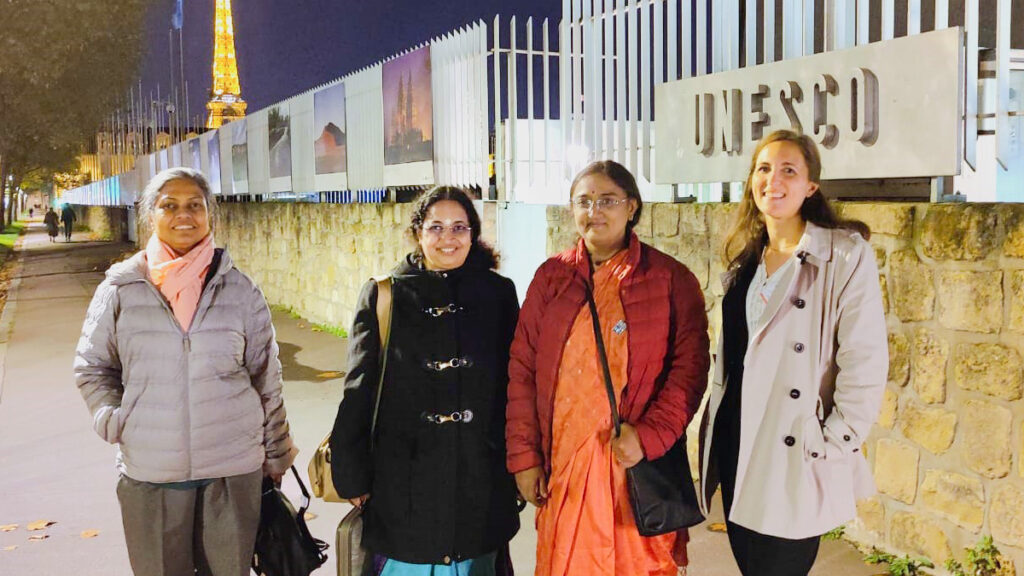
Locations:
801 365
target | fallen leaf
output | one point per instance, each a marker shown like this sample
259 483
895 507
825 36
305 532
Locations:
39 525
717 527
38 537
90 533
330 375
8 528
9 548
309 516
302 325
317 329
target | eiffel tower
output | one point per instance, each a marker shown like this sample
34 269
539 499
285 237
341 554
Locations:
226 102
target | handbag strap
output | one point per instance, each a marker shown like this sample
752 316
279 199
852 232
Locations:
385 304
603 357
302 488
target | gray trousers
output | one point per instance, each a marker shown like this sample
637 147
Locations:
209 530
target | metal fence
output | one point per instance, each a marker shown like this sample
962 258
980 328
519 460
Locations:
545 99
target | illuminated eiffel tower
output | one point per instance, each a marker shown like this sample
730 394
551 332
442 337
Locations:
226 102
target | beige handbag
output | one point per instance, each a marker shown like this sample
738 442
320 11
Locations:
320 464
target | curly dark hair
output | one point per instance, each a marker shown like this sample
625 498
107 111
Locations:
455 194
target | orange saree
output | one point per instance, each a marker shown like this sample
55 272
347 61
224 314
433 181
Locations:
586 527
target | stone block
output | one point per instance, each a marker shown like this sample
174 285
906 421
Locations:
919 535
1013 216
884 286
970 300
887 413
931 354
693 218
1016 287
912 285
955 497
899 358
871 515
644 227
894 219
930 426
992 369
986 438
896 470
959 231
692 251
879 255
1006 515
666 219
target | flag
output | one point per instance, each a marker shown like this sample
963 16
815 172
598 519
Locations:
179 17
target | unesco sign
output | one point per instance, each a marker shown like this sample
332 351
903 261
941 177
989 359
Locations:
885 110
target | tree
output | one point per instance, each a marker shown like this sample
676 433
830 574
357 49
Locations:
64 65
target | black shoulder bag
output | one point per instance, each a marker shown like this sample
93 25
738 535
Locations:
284 546
661 491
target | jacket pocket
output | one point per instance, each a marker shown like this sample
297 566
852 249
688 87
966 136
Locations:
813 439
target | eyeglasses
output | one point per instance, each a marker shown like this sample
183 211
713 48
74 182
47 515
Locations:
437 230
584 203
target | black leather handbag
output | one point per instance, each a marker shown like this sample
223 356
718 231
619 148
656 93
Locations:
284 546
661 491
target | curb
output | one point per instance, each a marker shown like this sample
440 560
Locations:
7 317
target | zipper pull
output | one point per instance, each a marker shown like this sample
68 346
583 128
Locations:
188 345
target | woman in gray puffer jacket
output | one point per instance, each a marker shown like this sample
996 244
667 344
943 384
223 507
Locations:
179 366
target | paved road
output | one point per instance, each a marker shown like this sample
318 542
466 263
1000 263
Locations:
53 467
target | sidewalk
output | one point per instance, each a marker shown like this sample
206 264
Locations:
53 467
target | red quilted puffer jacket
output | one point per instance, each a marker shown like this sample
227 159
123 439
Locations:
668 350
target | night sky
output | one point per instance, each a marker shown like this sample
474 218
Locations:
284 47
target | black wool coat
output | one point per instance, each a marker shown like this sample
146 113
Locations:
439 492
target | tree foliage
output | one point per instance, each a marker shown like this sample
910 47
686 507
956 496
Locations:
64 66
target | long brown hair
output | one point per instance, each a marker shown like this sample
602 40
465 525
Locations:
748 235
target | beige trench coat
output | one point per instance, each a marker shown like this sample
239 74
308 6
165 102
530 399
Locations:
814 376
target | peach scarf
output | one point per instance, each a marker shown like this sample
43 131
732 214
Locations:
180 278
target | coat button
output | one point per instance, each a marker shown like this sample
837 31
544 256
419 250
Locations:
447 559
799 303
814 454
846 437
798 347
789 440
794 393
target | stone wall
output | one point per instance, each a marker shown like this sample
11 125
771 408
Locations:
948 449
314 258
105 222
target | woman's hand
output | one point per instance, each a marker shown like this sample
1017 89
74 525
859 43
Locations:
533 485
626 447
358 501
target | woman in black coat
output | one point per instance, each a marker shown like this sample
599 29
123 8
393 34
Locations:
434 485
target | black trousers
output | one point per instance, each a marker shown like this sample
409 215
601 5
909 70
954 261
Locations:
762 555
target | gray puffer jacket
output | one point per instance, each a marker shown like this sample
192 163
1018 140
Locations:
205 403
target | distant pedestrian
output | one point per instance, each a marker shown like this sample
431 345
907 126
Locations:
52 224
68 217
31 213
801 365
179 367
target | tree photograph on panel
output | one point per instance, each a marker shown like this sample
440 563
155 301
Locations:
408 121
279 127
330 146
239 152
